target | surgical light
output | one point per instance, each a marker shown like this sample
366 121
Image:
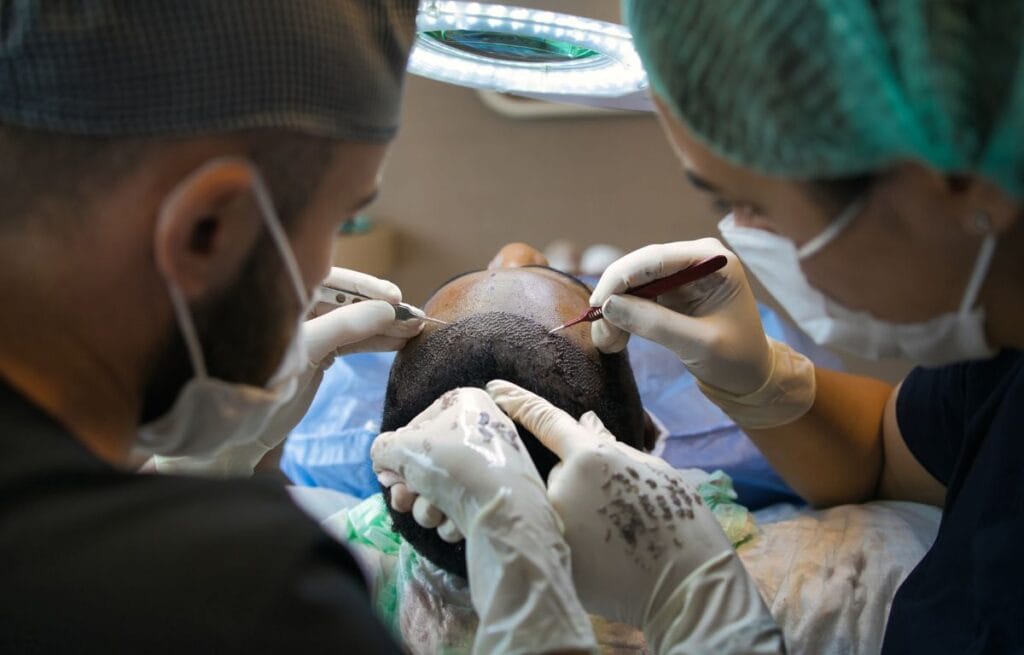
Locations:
518 50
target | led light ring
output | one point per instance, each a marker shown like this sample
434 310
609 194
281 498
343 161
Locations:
613 70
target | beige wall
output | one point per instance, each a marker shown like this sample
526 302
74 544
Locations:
462 180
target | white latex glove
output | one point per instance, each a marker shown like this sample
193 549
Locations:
464 456
367 326
645 548
714 328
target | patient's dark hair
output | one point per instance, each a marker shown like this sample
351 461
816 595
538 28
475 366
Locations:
484 347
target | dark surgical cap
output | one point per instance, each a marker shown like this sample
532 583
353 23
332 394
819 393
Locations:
330 68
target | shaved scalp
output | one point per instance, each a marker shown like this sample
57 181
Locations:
483 347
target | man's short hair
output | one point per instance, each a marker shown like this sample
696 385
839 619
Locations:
492 345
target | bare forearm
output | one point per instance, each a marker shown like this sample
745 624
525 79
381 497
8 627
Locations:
834 454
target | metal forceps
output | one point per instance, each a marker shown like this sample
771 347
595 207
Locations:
341 297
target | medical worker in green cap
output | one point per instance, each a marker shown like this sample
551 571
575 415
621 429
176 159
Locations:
871 157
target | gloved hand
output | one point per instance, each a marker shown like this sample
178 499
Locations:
368 326
713 326
465 456
645 549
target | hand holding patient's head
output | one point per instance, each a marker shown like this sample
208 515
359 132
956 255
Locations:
500 319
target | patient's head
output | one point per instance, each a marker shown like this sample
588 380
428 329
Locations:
500 318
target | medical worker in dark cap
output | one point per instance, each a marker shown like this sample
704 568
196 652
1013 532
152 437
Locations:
172 175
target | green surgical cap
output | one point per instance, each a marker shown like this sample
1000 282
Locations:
331 68
831 88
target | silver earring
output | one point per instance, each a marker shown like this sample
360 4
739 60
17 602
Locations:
982 222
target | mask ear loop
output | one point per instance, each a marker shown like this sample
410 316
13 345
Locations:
273 224
186 325
838 224
981 263
188 331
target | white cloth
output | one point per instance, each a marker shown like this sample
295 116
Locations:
829 576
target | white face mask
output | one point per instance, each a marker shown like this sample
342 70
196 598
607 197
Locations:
208 413
775 260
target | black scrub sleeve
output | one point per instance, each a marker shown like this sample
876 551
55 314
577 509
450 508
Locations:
324 608
936 407
930 415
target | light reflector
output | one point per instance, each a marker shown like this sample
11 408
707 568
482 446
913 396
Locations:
517 50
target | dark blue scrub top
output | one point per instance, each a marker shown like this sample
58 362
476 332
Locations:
965 424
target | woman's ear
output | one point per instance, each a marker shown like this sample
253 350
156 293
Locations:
207 227
985 207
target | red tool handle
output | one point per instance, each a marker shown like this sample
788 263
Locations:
652 290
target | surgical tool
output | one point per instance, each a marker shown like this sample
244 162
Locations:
341 297
652 290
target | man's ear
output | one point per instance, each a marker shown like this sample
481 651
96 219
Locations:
207 227
650 433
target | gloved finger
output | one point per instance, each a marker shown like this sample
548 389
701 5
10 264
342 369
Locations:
320 308
591 421
563 492
367 285
558 431
642 458
463 400
608 338
554 473
406 328
651 263
386 454
345 326
373 345
426 513
449 532
402 498
388 478
406 452
684 334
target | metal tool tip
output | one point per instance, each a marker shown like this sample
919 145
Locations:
560 327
